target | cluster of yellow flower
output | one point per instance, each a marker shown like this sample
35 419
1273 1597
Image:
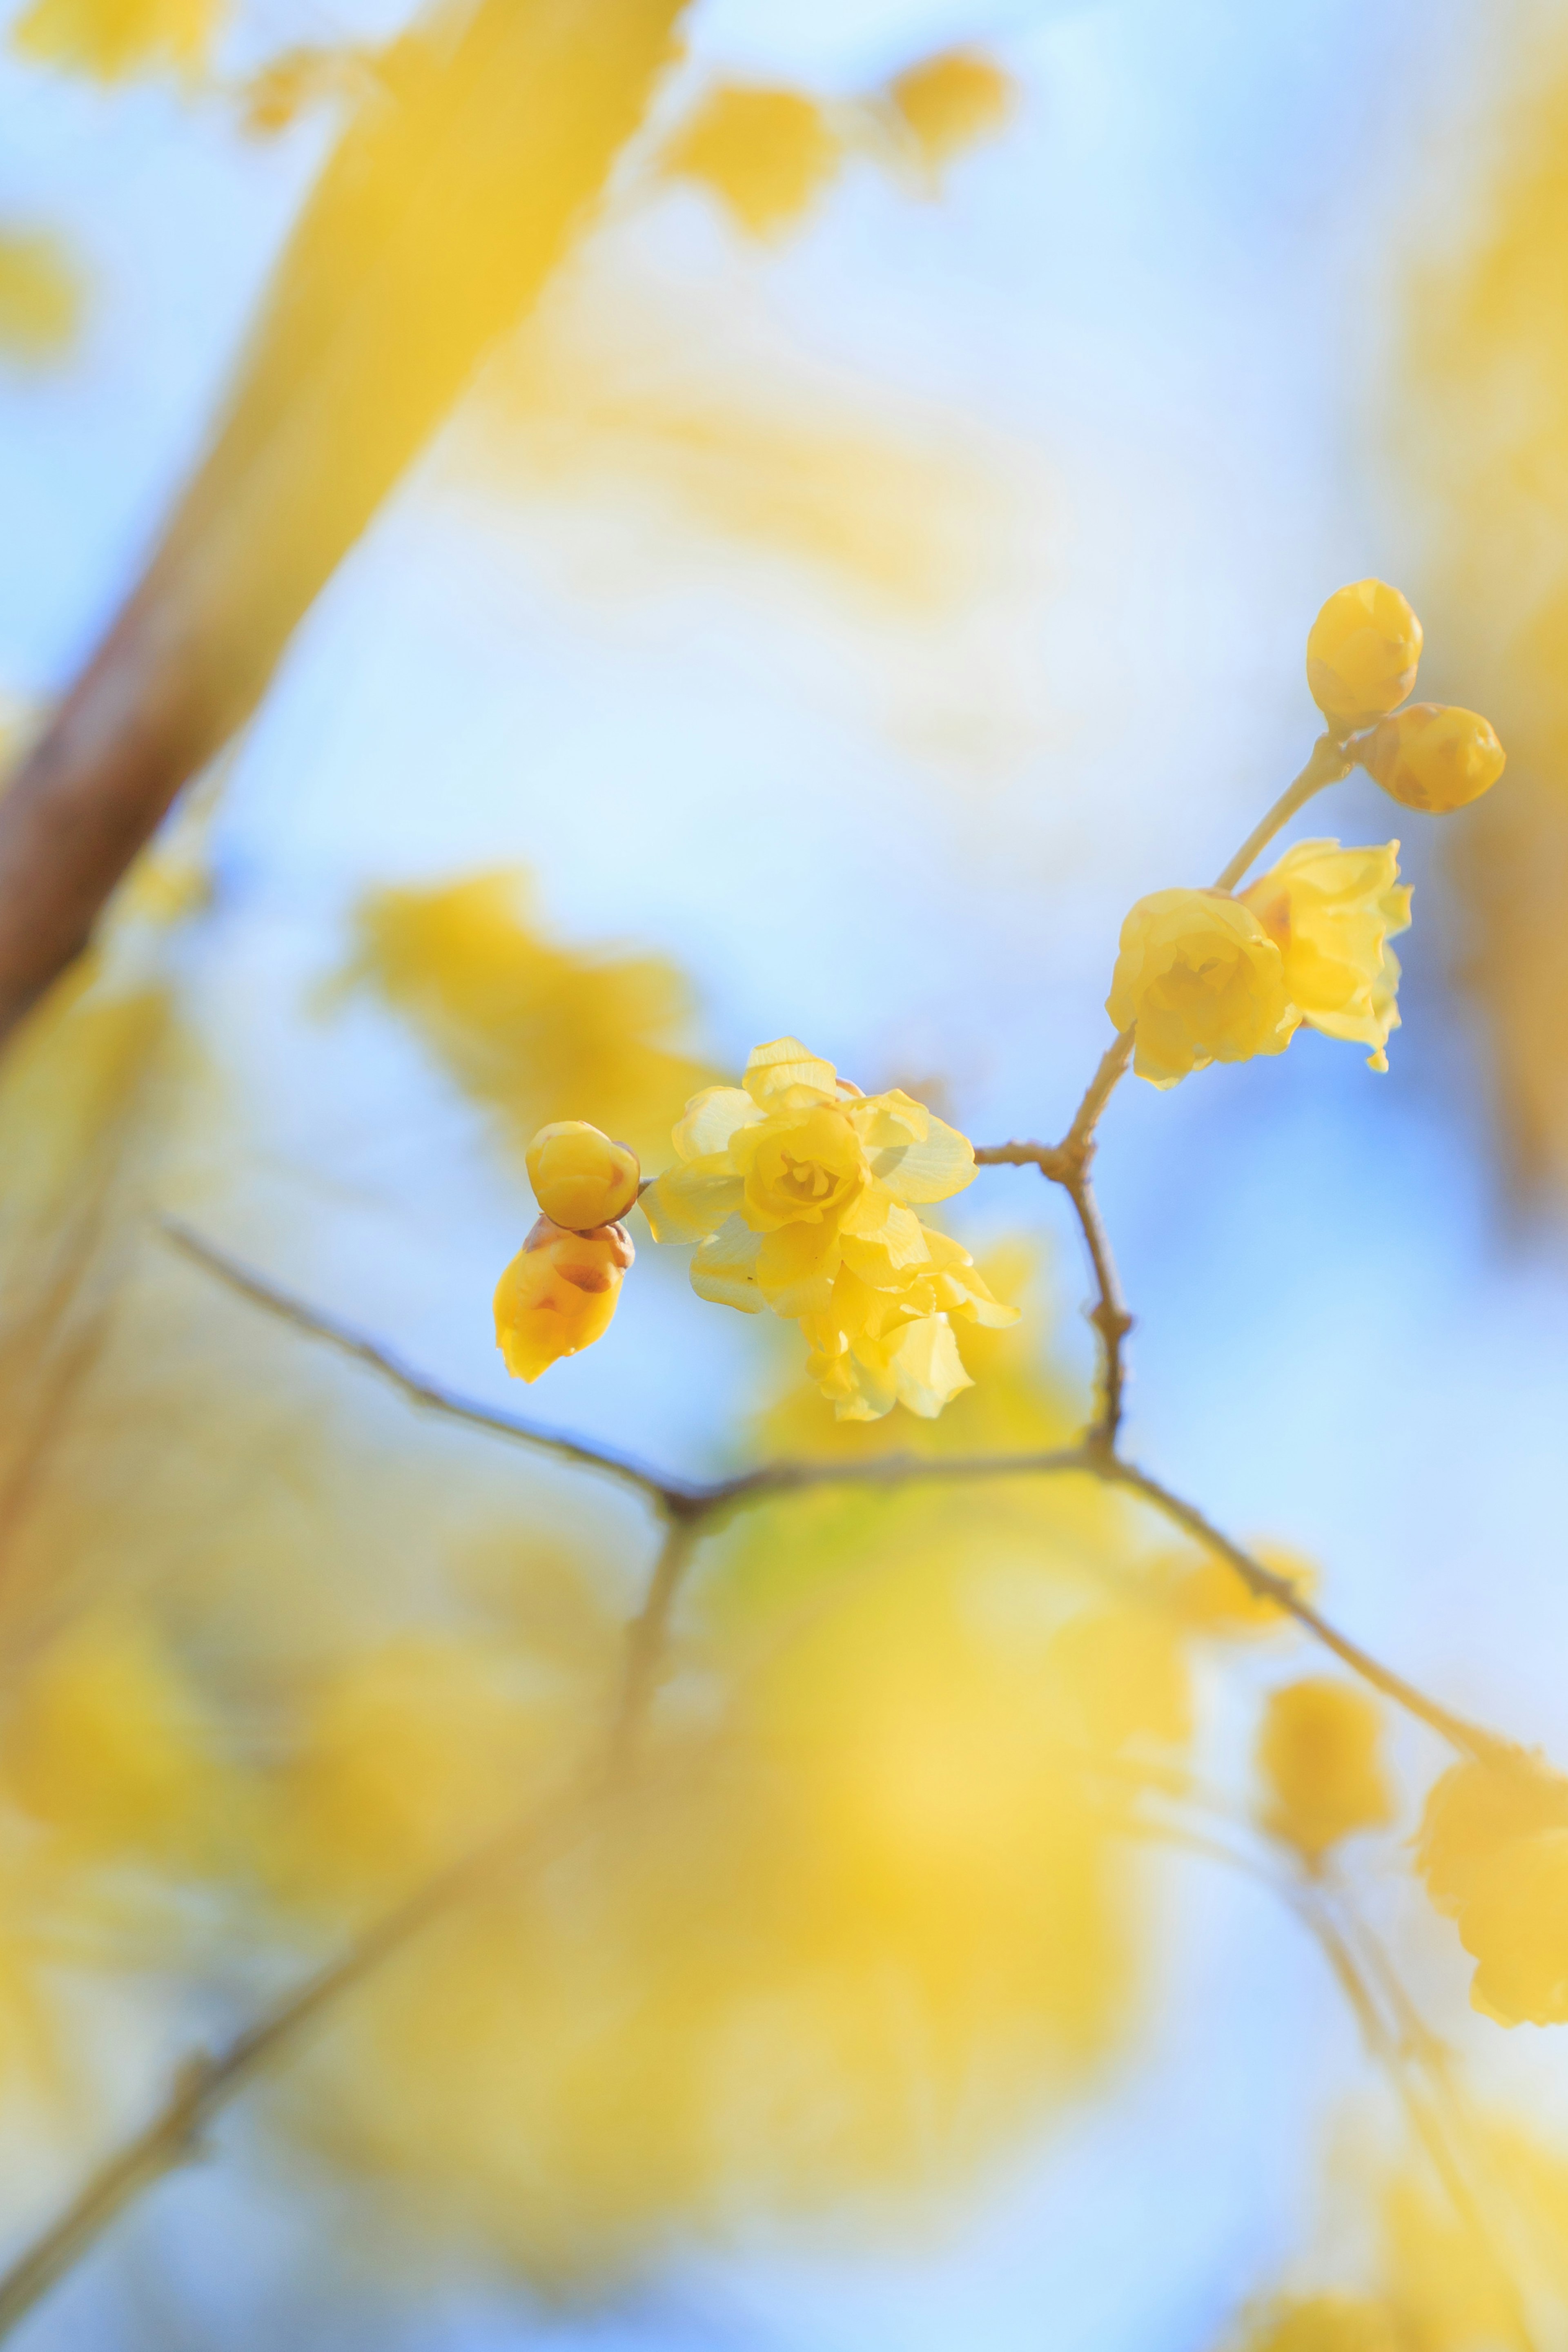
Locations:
1204 976
801 1193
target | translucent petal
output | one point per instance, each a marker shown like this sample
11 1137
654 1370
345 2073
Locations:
773 1069
927 1366
710 1119
795 1266
931 1166
685 1204
724 1268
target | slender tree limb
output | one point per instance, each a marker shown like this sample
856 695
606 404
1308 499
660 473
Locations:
1332 760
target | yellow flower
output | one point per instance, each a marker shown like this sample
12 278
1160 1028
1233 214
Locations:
1435 757
1362 654
800 1192
1493 1852
558 1294
1203 981
581 1179
1318 1757
41 296
1332 912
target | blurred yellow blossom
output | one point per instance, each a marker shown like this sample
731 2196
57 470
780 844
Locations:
110 39
41 296
1493 1852
1203 981
1118 1674
951 102
1318 1756
1332 912
105 1745
1324 2323
768 153
1363 653
581 1179
558 1294
1208 1595
801 1193
1435 757
535 1031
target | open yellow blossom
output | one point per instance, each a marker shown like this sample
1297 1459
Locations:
1318 1756
581 1179
1332 912
801 1193
1203 981
558 1294
1362 654
1493 1852
1435 757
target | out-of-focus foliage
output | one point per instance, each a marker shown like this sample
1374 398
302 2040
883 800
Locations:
1319 1753
110 39
41 296
1483 435
1494 1855
619 393
535 1032
768 153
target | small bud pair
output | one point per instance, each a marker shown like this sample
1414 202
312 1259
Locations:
560 1293
1362 658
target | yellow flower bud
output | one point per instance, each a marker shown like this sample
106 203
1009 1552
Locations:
581 1179
952 101
1204 983
1435 757
558 1294
1361 655
1317 1753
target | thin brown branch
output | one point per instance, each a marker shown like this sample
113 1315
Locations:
1469 1739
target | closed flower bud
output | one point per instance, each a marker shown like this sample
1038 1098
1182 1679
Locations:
1318 1756
1435 757
1361 655
581 1179
1493 1852
558 1294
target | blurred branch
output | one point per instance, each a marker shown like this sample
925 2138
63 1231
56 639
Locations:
697 1505
438 219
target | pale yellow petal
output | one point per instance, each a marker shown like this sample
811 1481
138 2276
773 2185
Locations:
774 1069
710 1119
795 1265
930 1162
723 1267
926 1367
685 1204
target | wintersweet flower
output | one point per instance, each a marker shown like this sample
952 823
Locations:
801 1193
1318 1757
558 1294
1435 757
581 1179
1361 655
1204 983
1332 912
1493 1853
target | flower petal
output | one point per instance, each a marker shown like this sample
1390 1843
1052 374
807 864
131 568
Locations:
685 1204
723 1267
918 1158
795 1265
775 1069
710 1119
926 1367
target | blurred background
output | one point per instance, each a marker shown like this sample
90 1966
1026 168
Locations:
882 551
